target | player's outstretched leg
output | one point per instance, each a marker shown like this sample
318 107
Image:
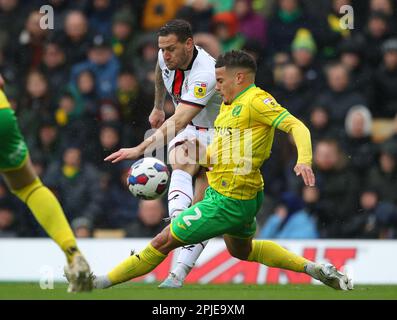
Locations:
186 260
49 213
272 254
140 263
188 255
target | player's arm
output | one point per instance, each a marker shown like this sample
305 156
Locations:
183 115
301 135
201 89
269 112
157 116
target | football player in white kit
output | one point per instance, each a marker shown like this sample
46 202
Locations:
187 73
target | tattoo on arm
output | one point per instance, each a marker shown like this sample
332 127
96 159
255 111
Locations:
160 92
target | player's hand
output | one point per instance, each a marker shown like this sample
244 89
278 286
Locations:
156 118
195 151
307 174
124 154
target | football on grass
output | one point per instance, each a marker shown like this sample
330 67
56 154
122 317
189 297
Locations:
148 178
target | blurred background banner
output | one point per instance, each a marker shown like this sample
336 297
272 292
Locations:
40 261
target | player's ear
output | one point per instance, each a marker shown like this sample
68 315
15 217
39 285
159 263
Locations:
240 76
189 43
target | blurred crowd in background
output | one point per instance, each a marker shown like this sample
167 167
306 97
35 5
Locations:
85 88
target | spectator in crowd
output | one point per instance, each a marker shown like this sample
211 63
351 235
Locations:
304 51
135 107
225 28
75 182
68 114
288 17
103 64
357 143
387 7
351 54
376 32
121 208
331 31
375 219
124 37
54 67
264 75
384 102
149 221
338 98
75 38
12 20
383 176
198 13
84 93
145 61
47 143
27 52
293 92
110 134
338 188
99 14
35 103
292 220
320 125
251 25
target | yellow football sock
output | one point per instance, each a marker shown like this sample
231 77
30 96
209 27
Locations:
136 265
272 254
48 212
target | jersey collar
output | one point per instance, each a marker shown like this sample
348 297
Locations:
195 53
242 92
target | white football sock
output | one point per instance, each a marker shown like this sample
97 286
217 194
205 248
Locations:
187 257
180 192
102 282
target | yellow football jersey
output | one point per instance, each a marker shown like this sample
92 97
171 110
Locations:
244 132
3 100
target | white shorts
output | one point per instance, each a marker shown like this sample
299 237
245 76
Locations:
205 136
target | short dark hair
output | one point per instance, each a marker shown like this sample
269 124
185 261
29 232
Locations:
236 58
181 28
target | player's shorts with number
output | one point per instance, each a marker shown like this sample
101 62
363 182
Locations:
13 149
217 215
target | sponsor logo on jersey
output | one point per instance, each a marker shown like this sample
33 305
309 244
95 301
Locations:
270 102
200 90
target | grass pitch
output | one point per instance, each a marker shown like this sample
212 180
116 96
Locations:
142 291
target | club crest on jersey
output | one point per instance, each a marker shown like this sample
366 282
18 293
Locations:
236 110
200 90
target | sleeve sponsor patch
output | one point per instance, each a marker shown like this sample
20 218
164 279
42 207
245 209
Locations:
200 90
270 102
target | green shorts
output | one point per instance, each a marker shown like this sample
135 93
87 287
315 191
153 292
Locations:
13 149
217 215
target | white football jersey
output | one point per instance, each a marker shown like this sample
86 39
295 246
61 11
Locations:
194 86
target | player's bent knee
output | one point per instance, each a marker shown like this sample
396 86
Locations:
165 242
242 255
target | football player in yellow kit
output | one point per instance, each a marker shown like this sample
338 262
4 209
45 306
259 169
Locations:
18 173
245 125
